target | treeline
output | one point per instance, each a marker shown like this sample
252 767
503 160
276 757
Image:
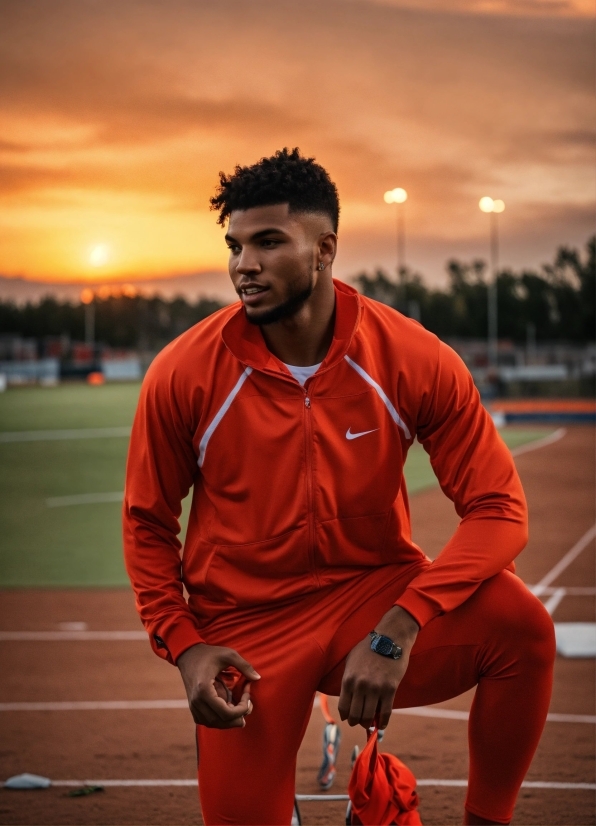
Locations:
556 303
120 321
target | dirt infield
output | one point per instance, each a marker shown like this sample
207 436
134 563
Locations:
120 744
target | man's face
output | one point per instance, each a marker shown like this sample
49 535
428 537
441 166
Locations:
273 259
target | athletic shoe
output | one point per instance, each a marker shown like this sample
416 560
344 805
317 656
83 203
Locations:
331 741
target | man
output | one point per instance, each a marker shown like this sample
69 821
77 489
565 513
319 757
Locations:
291 414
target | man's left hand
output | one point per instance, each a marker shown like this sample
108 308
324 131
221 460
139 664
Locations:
370 680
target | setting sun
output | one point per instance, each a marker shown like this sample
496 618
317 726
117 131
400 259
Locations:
99 255
108 178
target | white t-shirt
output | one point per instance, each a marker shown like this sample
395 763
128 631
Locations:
301 374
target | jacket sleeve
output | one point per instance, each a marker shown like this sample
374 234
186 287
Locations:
160 470
476 471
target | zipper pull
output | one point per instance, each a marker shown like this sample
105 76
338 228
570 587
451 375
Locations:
307 402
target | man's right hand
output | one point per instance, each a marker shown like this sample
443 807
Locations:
210 702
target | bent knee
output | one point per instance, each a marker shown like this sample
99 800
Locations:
523 619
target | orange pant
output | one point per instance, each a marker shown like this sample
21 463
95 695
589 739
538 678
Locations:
501 639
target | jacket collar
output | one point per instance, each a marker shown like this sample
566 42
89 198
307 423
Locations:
245 341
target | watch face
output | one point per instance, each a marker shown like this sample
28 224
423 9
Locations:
383 646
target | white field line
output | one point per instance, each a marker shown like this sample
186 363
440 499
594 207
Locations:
144 705
553 603
141 636
527 784
99 498
564 562
97 705
570 590
53 435
452 714
117 496
428 711
538 443
84 499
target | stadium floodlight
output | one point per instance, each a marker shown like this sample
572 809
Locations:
398 196
487 204
493 207
395 196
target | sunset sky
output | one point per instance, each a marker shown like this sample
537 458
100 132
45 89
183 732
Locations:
117 115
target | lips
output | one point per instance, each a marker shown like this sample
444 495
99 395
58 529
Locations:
251 293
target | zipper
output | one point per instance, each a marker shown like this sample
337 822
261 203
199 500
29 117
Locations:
310 487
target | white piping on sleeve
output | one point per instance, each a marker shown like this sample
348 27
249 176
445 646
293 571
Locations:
220 414
382 395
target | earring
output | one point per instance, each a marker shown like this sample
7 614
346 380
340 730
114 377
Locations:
321 266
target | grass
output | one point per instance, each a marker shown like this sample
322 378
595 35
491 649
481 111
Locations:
81 545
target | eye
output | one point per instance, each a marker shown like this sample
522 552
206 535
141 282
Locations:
234 248
269 243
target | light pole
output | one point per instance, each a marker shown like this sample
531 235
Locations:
398 196
87 298
98 257
493 208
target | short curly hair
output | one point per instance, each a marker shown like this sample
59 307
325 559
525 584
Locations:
285 178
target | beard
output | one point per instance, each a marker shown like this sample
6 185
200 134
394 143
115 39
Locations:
295 299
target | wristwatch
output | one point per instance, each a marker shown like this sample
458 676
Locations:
384 645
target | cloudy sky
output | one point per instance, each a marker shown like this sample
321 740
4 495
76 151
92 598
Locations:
117 115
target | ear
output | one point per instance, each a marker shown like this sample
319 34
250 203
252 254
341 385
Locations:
327 248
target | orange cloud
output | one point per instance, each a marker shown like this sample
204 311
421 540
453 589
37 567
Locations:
116 120
517 8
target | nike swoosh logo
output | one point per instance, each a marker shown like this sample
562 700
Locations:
350 435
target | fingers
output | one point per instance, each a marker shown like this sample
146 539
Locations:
385 710
212 706
245 701
242 665
224 709
212 698
344 702
365 705
351 703
369 710
203 714
363 708
209 709
223 691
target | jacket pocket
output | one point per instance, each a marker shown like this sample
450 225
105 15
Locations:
256 572
353 541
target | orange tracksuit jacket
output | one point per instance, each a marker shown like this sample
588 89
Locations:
297 488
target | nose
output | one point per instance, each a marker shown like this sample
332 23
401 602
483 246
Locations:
248 263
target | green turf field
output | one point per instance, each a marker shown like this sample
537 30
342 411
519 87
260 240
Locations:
46 540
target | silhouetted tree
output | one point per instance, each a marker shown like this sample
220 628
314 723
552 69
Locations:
557 303
119 321
554 304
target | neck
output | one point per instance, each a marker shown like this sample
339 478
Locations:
305 338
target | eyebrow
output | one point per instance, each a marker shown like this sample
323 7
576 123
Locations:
260 234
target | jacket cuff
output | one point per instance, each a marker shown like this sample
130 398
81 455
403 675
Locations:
177 637
422 609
